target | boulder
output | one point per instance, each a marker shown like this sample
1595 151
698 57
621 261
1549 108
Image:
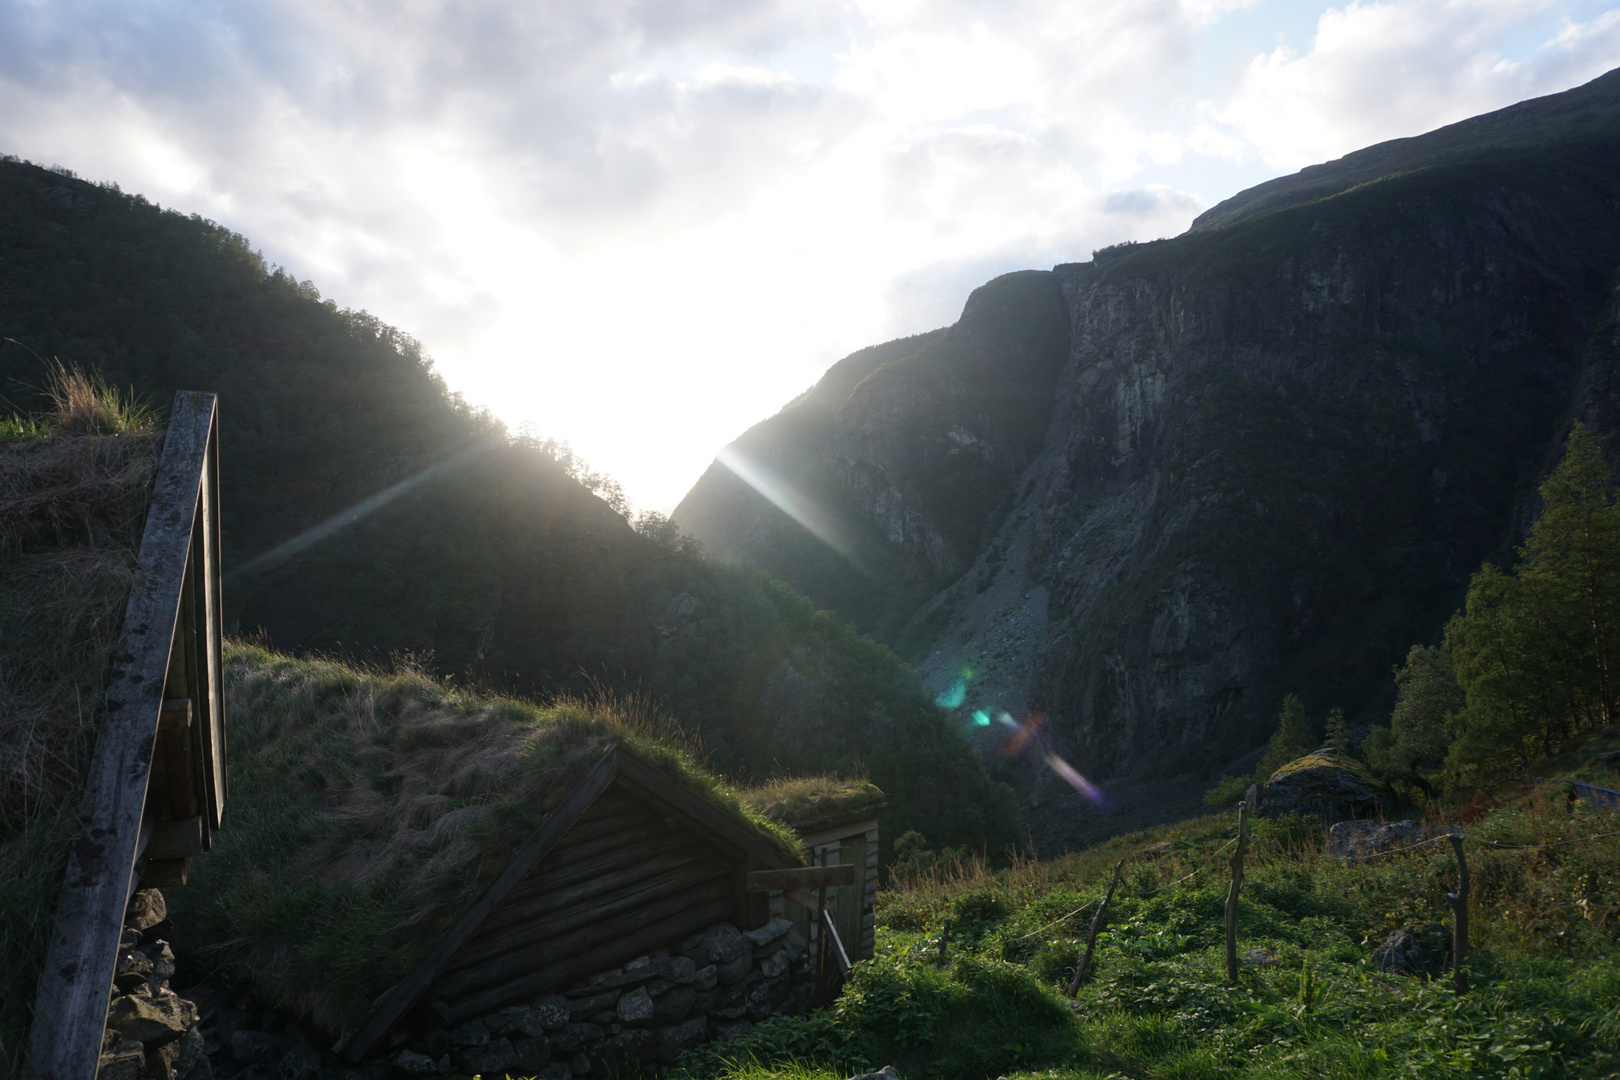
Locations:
531 1055
673 1006
580 1008
493 1056
885 1073
733 971
147 908
732 1029
552 1012
121 1058
768 933
677 1037
722 943
1325 784
635 1007
411 1063
473 1033
675 969
1355 840
154 1019
1423 951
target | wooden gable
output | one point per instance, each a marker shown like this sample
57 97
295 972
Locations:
629 862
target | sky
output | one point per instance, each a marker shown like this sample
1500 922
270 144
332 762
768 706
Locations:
641 226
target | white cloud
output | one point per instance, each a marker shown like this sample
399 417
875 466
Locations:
645 226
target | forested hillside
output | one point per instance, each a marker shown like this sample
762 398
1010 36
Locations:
487 559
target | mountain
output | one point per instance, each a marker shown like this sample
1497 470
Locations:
1152 493
369 512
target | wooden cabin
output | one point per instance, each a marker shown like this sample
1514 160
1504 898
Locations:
631 863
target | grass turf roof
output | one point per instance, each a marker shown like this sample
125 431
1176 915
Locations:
807 802
368 810
72 511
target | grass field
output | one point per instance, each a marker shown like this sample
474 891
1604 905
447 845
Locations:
1309 1001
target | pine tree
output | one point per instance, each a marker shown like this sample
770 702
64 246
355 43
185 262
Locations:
1292 740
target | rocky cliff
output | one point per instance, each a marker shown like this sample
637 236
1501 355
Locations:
1269 456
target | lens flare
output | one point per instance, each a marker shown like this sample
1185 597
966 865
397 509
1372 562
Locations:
953 695
981 718
1072 776
791 501
1022 733
316 533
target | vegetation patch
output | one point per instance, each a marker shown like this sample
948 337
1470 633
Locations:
808 801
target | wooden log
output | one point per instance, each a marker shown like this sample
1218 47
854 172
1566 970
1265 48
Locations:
175 714
1459 919
595 932
519 909
596 826
527 984
546 925
801 877
552 875
704 815
1235 888
1091 935
647 830
398 1001
70 1007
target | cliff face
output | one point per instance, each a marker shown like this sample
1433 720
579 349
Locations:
1273 452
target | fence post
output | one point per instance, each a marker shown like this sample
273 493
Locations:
1459 918
944 937
1232 893
1096 925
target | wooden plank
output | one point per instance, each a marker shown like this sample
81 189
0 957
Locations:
176 839
619 839
553 875
600 825
562 919
762 854
517 961
70 1007
520 909
175 714
801 877
398 1000
529 983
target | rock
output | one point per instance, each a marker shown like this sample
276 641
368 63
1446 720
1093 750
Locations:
762 1000
434 1043
551 1012
676 969
732 1029
673 1006
574 1036
1325 784
733 971
677 1037
1356 840
579 1008
641 965
623 1054
121 1058
796 944
885 1073
151 1019
1159 850
775 965
158 962
635 1007
768 933
557 1070
251 1047
706 977
490 1056
411 1063
473 1033
580 1065
531 1055
1424 952
147 908
301 1062
723 943
605 1018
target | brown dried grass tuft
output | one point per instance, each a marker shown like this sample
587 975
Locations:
84 404
806 802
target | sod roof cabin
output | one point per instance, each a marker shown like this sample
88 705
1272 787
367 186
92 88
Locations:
631 860
126 730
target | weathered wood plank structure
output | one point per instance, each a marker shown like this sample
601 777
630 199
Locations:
848 839
630 862
155 793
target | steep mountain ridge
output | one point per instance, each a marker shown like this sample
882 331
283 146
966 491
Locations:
1277 443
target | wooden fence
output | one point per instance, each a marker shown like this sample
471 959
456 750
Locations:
155 792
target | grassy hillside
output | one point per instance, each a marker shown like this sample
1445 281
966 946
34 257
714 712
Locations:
493 563
1309 1001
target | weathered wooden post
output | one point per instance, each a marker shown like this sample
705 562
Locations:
944 938
1096 925
1459 919
1232 892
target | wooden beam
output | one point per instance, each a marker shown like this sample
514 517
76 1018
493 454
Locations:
597 932
176 839
705 815
554 875
70 1007
175 714
398 1001
545 925
520 909
529 983
801 877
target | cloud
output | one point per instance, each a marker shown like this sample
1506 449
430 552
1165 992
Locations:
644 225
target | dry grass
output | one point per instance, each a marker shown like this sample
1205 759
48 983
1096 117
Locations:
71 515
806 802
88 405
368 808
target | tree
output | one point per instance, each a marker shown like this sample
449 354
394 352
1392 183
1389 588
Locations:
1417 739
1292 740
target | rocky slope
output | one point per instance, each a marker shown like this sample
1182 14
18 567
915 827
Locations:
1272 451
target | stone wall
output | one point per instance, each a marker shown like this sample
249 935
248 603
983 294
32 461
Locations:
151 1031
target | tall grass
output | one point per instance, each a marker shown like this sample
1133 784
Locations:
87 404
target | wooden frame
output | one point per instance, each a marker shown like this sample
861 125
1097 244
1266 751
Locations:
718 828
156 785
